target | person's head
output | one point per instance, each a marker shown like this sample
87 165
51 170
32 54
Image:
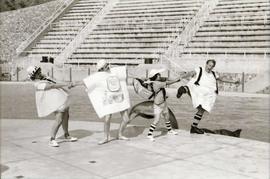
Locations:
210 64
102 65
154 74
34 72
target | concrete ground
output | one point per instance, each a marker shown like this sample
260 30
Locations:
25 154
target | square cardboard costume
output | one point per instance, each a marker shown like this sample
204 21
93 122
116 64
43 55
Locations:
108 91
49 101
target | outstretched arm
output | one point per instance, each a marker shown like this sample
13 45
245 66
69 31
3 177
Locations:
169 82
58 85
188 74
228 81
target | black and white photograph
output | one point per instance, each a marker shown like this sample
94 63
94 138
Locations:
131 89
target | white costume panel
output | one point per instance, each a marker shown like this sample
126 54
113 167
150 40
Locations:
108 91
49 101
203 94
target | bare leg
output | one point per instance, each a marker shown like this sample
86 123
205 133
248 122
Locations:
57 123
124 122
106 129
65 122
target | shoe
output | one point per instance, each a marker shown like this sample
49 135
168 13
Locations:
151 138
71 139
196 130
122 138
179 93
53 143
172 132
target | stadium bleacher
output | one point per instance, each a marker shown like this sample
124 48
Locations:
65 28
239 27
135 31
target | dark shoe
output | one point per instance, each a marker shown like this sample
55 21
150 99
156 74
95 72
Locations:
179 92
196 130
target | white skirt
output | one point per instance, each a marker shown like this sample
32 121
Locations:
203 96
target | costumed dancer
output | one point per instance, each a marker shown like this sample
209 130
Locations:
203 90
51 97
108 93
160 103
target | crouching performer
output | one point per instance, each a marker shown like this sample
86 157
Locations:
203 90
160 105
52 97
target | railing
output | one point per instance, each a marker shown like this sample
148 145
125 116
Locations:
59 9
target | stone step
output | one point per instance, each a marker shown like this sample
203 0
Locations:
228 50
62 33
234 28
53 41
82 8
236 23
47 50
65 29
150 3
232 39
154 25
170 27
246 5
50 45
139 19
60 38
76 18
115 56
240 15
72 22
265 44
136 31
237 18
240 10
78 11
157 10
125 50
123 45
154 6
111 60
127 36
157 14
126 40
237 2
82 14
234 33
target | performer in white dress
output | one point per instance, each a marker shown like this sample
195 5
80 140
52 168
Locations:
51 98
203 90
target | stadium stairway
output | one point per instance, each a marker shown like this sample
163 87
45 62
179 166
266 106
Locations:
64 28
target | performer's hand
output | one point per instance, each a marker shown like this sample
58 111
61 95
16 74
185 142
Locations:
71 85
237 82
